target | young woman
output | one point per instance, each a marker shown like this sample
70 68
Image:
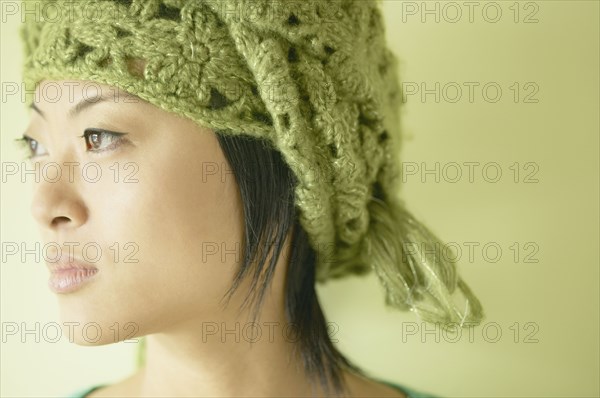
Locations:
218 159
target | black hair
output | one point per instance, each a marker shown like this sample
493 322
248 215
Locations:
266 185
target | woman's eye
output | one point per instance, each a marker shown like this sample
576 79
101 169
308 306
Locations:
101 140
96 140
33 147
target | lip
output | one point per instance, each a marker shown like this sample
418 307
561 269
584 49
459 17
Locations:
69 274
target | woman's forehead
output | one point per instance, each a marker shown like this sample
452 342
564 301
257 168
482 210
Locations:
81 91
80 87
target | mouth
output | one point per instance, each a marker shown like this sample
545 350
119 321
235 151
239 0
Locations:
70 280
68 275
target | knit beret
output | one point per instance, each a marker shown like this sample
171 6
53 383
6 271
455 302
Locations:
313 77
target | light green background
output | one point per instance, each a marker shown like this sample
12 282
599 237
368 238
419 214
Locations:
559 214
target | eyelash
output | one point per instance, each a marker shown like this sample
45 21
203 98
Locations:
26 141
117 137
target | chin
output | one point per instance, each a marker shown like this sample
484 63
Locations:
94 323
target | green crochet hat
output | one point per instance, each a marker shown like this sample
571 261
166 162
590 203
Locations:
315 78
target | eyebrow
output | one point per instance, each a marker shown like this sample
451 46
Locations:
89 101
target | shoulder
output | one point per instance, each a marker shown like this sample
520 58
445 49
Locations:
84 392
369 387
362 386
126 387
409 392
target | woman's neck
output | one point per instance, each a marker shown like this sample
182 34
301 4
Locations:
225 357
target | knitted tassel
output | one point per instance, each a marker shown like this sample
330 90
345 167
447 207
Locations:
399 250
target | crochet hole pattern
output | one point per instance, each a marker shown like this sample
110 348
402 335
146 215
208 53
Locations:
293 20
83 50
135 67
262 117
382 69
217 100
333 150
285 121
383 136
353 224
366 121
126 3
329 51
106 62
377 191
166 12
292 55
121 33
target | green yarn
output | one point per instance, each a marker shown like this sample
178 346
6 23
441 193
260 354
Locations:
315 78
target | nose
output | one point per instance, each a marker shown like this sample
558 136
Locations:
57 204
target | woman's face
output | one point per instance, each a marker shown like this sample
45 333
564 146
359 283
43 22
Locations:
162 223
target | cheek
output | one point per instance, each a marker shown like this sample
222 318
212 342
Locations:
190 222
178 231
